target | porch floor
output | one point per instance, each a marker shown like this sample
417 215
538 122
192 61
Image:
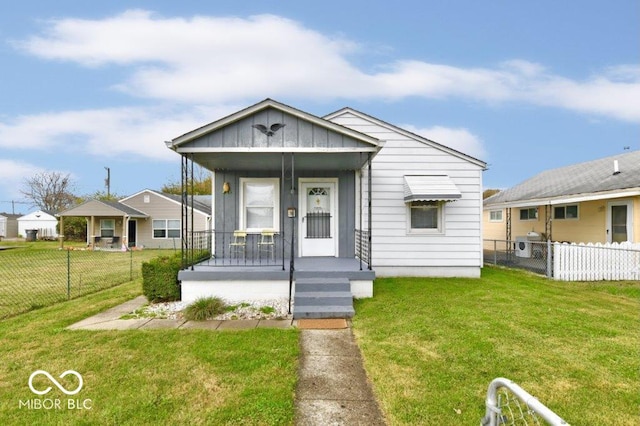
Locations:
214 269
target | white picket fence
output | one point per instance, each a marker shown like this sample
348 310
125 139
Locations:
595 262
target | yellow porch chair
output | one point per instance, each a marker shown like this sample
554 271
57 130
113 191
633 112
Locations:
267 243
238 244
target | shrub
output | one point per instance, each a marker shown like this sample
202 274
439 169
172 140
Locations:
160 278
205 308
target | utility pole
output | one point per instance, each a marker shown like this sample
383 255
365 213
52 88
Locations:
107 181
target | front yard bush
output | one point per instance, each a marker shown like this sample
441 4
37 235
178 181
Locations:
160 278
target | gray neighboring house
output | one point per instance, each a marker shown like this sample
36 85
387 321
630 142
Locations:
9 225
146 219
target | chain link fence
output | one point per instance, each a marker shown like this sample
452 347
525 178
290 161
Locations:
34 278
534 256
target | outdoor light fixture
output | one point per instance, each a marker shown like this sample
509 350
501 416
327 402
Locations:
226 188
291 212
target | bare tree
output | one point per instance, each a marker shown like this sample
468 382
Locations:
50 191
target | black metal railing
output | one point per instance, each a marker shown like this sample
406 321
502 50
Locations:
237 248
363 251
318 225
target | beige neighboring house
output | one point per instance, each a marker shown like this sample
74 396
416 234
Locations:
147 219
592 202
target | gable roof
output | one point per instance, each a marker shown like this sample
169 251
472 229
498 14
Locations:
201 203
406 133
176 143
39 215
590 180
102 208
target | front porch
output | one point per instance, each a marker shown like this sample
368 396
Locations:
319 287
270 281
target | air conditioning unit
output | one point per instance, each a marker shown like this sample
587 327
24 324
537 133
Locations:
523 246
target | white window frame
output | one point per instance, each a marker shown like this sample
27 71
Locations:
106 228
439 206
166 229
493 219
564 207
276 203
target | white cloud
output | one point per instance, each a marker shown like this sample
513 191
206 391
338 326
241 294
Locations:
209 60
107 132
12 176
459 139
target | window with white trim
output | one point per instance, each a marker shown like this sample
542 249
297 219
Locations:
259 201
107 228
425 216
495 216
566 212
166 228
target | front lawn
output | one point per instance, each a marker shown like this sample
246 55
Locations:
141 377
432 346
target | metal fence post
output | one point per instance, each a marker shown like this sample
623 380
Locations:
131 265
68 274
495 252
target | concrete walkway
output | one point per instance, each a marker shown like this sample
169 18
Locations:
332 388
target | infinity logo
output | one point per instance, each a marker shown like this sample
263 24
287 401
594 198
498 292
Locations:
55 382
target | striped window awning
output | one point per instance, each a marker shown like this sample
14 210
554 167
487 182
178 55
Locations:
430 188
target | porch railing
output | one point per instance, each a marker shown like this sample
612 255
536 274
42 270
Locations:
237 248
363 251
198 248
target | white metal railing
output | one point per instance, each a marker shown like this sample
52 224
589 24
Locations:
515 406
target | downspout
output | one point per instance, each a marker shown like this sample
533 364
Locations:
282 208
360 218
370 216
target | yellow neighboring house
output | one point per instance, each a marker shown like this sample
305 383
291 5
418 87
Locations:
593 202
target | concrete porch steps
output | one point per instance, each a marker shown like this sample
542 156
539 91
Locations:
321 297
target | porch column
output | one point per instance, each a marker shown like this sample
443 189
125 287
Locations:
61 233
548 221
91 234
125 227
370 216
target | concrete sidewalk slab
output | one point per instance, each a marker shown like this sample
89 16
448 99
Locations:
115 324
161 323
275 324
333 388
238 324
201 325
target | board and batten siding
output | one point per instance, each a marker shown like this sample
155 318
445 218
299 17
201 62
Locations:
457 250
160 207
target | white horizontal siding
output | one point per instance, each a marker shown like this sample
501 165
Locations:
460 242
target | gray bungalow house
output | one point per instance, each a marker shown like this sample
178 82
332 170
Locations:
147 218
304 204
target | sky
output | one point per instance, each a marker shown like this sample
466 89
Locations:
523 86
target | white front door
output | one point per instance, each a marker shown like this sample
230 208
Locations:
318 216
619 221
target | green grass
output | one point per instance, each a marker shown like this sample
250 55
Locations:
146 377
36 274
432 346
205 308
